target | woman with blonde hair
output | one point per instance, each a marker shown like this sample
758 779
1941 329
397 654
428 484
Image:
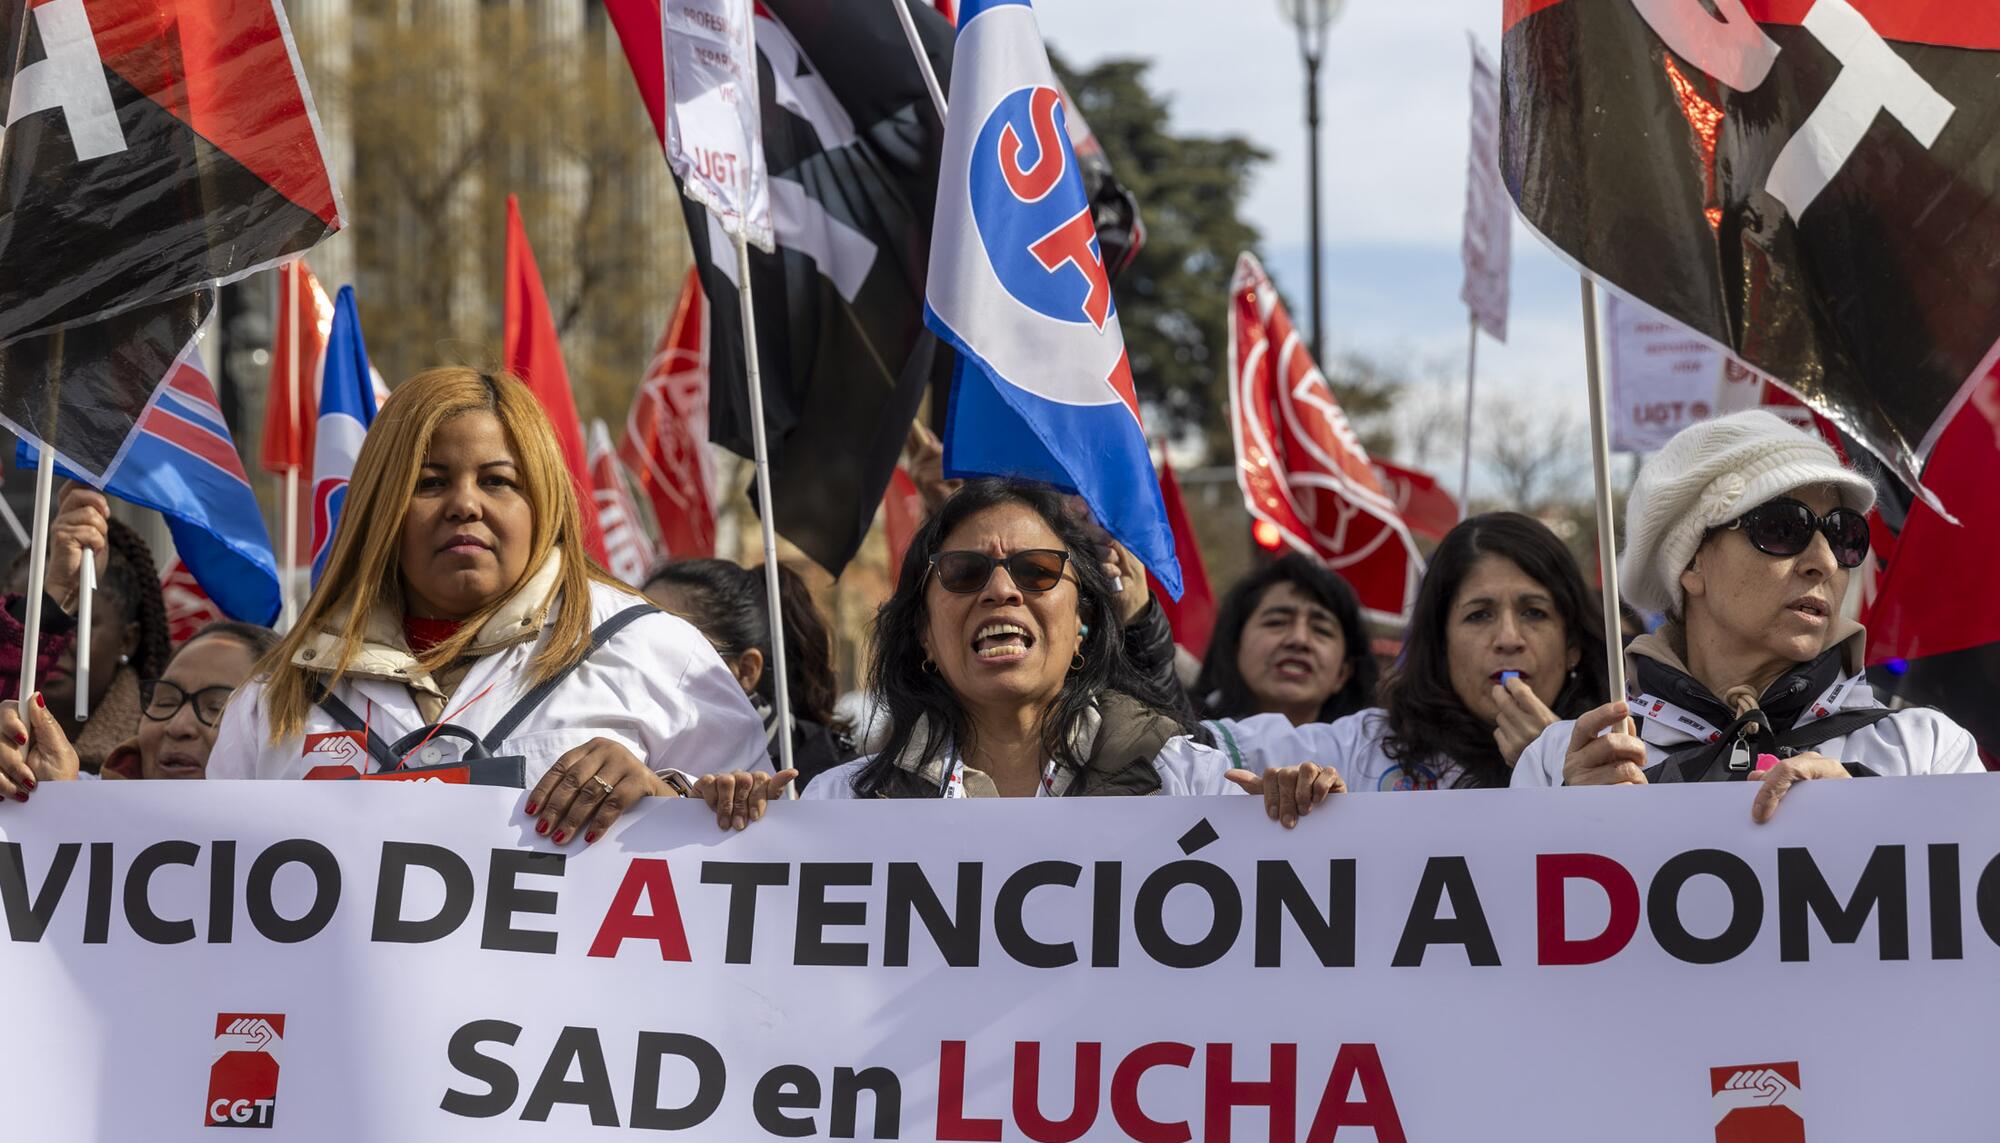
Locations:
459 621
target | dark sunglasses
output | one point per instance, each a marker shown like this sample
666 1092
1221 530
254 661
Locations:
160 700
1032 570
1785 528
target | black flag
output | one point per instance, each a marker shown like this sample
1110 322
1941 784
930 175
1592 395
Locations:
851 145
1816 191
150 148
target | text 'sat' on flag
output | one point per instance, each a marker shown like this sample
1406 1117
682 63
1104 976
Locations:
1301 466
1812 187
1018 287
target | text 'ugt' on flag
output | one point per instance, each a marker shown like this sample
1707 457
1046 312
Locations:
1018 286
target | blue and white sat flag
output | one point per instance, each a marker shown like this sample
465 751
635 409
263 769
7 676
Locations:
182 463
346 409
1017 285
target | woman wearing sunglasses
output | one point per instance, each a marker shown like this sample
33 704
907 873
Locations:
1744 531
1002 671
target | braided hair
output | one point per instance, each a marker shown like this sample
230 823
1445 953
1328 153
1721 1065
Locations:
131 577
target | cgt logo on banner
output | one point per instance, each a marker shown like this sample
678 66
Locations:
243 1080
1758 1103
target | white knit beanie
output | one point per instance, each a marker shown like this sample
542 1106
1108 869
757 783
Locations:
1707 475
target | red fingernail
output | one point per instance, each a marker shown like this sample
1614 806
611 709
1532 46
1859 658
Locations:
542 827
590 837
39 702
28 784
20 797
560 835
532 807
20 740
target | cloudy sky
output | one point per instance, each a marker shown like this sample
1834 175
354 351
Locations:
1393 122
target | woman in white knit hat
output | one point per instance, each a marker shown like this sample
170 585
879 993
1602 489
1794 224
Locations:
1744 530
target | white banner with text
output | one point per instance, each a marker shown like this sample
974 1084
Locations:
358 961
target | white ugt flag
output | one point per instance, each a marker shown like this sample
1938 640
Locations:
714 140
1489 210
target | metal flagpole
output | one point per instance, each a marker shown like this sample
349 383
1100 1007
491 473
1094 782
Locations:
288 592
38 545
86 586
755 381
923 57
38 556
1600 463
13 522
1471 377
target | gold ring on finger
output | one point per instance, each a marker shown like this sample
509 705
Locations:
601 783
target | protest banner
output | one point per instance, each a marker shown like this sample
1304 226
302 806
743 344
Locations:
410 961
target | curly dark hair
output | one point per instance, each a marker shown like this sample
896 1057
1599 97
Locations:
1426 718
133 579
911 694
1221 689
727 602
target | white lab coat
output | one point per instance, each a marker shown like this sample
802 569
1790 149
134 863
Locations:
657 687
1351 745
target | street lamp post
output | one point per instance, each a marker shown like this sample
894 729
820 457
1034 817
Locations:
1310 18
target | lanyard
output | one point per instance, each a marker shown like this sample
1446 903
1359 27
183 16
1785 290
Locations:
1664 713
954 784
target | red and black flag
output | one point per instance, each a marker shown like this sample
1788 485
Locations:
851 145
1814 185
151 148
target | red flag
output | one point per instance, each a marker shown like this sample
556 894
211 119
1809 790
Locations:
902 515
1193 615
1426 507
533 355
629 549
1933 599
189 608
666 433
1298 461
287 442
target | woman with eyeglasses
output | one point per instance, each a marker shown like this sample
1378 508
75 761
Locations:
181 710
1002 671
1744 531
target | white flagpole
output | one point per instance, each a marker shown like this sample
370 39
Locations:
923 58
13 522
754 379
86 586
1600 463
38 555
287 592
1465 459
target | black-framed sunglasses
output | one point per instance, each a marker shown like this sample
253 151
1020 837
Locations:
1785 527
1033 570
160 700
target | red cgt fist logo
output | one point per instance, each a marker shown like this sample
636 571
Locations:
1758 1103
243 1080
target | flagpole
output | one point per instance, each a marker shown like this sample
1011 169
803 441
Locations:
1465 458
13 523
1600 463
752 376
86 586
287 592
923 57
38 555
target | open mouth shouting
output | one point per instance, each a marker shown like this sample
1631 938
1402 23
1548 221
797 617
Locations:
1293 667
1000 642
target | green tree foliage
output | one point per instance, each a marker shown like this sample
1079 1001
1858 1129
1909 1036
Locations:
1173 300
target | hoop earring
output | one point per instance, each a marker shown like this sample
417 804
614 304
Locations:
929 668
1076 663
